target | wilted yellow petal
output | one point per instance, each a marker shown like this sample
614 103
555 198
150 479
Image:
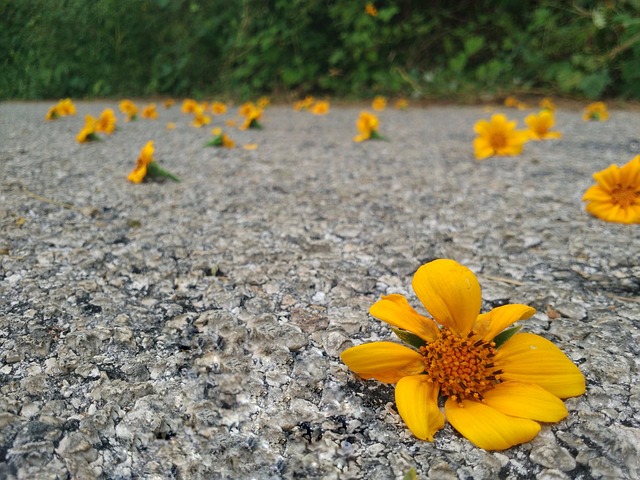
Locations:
525 400
395 310
450 292
417 402
384 361
529 358
486 427
490 324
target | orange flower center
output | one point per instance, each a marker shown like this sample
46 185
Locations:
498 140
623 196
463 367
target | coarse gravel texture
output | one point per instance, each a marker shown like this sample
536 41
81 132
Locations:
193 330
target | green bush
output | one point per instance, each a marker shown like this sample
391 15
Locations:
244 48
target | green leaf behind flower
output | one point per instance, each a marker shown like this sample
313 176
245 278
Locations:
409 338
505 335
215 142
154 170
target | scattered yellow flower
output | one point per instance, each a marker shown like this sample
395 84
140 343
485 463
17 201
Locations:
61 109
218 108
371 10
304 104
367 125
250 146
513 102
402 104
595 111
251 114
616 195
200 119
168 103
320 108
88 132
498 137
379 103
220 139
106 122
499 384
150 111
540 125
171 126
129 109
145 165
189 106
547 104
263 102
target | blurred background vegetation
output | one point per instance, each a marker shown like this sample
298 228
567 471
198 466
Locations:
244 48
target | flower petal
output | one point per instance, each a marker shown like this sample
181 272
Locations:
529 358
525 400
486 427
417 402
490 324
395 310
450 292
385 361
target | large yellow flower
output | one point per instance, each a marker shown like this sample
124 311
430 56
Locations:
145 158
367 125
498 386
540 125
498 137
616 196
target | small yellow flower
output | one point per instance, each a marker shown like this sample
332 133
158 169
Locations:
106 122
263 102
200 119
171 126
616 195
88 132
547 104
150 111
320 108
371 10
218 108
220 139
252 115
513 102
304 104
595 111
402 104
379 103
499 384
145 158
129 109
498 137
66 107
250 146
53 113
540 125
168 103
189 106
367 125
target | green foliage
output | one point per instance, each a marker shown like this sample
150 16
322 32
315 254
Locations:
59 48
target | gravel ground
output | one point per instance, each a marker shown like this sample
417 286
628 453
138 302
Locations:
192 330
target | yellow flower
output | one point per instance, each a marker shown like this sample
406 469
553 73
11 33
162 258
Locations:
540 125
371 10
320 108
379 103
595 111
189 106
88 132
498 386
304 104
497 137
220 139
402 104
367 125
513 102
171 126
547 104
168 103
218 108
263 102
53 113
250 146
61 109
200 118
616 195
252 115
145 158
106 122
129 109
149 111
